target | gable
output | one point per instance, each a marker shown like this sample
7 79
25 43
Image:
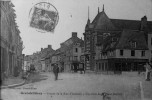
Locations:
102 22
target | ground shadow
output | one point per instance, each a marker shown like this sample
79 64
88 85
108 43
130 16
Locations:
60 79
36 77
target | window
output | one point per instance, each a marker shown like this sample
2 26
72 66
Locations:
93 57
82 50
75 58
88 38
142 53
77 44
114 39
151 41
76 49
121 52
132 52
99 66
87 58
133 44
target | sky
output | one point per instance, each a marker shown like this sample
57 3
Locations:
73 15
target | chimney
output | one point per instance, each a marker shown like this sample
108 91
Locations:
98 10
103 8
41 49
143 23
74 34
50 46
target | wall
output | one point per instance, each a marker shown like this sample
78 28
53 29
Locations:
127 54
150 45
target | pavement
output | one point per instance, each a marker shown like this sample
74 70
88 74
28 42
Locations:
75 86
13 82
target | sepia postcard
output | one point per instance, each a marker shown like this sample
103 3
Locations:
76 50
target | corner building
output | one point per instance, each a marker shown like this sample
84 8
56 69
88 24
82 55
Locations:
108 42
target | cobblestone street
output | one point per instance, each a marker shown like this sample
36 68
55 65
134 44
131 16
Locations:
75 86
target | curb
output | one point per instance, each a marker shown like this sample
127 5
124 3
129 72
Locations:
14 85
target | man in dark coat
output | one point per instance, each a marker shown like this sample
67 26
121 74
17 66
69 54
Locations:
56 71
148 71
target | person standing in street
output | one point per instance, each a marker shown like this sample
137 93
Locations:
148 70
56 71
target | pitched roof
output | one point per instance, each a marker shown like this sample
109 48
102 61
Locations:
123 40
126 24
101 39
69 43
102 22
110 42
128 36
130 24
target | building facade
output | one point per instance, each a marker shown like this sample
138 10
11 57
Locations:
10 42
104 35
71 52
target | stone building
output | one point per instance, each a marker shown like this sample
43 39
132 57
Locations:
71 52
45 53
56 59
27 63
105 36
124 51
11 44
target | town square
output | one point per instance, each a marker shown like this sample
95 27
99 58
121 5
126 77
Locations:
76 50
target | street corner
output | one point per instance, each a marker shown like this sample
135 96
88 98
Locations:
44 17
13 82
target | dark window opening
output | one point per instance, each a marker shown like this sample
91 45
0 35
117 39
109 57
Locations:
121 52
143 53
132 52
99 66
76 49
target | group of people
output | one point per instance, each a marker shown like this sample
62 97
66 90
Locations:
148 67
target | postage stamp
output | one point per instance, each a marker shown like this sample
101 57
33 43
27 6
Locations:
43 17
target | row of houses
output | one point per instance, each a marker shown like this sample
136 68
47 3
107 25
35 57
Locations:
70 54
39 59
67 57
111 45
11 44
117 44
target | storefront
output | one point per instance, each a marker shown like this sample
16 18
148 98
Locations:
117 65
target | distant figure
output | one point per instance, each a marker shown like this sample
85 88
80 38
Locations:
148 70
56 71
32 68
81 68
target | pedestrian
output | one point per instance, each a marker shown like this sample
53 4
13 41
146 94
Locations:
56 71
148 70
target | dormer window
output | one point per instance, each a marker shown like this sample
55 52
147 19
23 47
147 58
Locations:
114 39
77 44
133 44
105 35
